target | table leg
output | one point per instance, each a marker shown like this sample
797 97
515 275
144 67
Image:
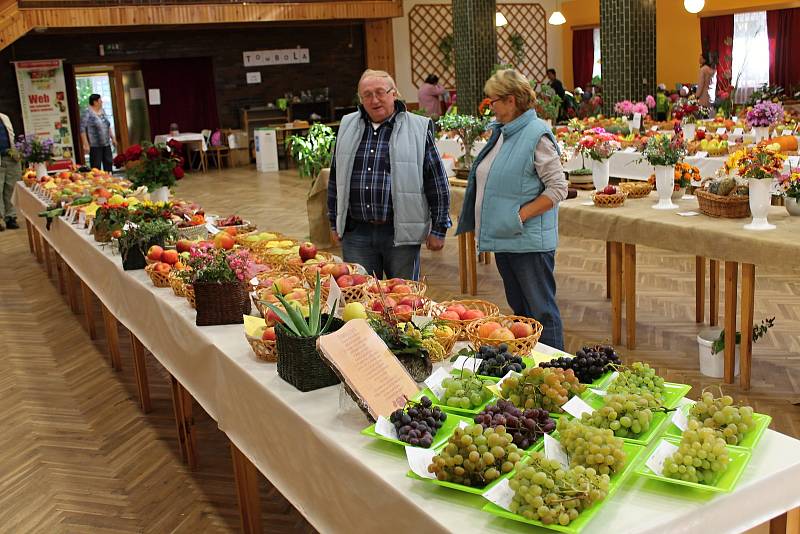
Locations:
748 301
37 245
246 476
48 265
62 288
29 228
699 289
487 258
616 292
88 310
786 523
72 296
472 259
608 269
713 292
462 262
187 436
140 373
731 283
629 273
112 338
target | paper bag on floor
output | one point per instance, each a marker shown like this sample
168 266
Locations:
319 228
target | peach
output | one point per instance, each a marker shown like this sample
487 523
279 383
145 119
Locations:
485 330
344 281
471 314
269 334
359 279
520 329
403 309
402 289
450 315
502 334
458 308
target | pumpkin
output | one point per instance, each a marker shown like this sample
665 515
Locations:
788 143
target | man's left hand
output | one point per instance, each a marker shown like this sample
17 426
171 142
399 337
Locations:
434 243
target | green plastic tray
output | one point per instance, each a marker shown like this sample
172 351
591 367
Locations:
441 436
749 441
450 409
527 361
673 393
633 451
725 481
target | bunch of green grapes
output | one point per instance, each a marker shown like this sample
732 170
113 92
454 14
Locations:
538 387
546 492
701 456
465 391
627 415
730 422
475 456
588 446
640 379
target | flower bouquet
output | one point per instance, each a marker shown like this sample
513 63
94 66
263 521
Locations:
469 129
664 152
790 187
153 166
762 117
598 144
626 108
760 165
34 151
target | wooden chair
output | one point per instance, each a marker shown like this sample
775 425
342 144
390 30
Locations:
218 152
197 156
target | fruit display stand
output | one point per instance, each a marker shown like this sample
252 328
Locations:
322 463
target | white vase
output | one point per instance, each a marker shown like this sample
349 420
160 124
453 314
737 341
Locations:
600 174
41 170
665 185
160 194
792 206
760 200
761 132
713 365
689 131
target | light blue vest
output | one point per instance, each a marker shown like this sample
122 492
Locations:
412 217
512 182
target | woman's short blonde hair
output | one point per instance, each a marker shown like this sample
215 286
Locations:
507 82
381 74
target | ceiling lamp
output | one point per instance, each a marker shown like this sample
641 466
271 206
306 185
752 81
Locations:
694 6
499 19
557 18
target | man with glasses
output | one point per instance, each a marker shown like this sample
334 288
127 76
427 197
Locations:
387 191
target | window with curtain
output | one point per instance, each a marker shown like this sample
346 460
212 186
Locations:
750 65
596 63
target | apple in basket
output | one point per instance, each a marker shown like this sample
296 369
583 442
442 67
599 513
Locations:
502 334
154 253
224 240
403 310
184 245
401 289
412 300
377 305
359 279
520 329
269 334
485 330
170 256
162 268
307 251
472 314
326 269
345 281
450 315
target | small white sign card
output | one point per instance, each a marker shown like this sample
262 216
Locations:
701 154
213 230
554 450
501 494
629 150
434 382
419 459
656 461
468 362
576 407
385 428
738 131
334 297
421 321
637 121
794 161
722 131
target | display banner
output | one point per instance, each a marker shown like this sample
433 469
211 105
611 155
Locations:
45 112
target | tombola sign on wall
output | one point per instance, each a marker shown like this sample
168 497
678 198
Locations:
286 56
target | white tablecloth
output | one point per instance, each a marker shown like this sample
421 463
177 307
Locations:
626 165
187 137
345 482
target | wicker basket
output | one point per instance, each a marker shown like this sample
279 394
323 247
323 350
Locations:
300 364
297 268
177 284
270 258
224 303
417 288
266 351
447 343
193 232
636 189
159 279
609 201
245 227
459 326
101 236
419 310
309 273
188 291
729 207
520 346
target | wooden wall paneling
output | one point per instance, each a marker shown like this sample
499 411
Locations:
378 37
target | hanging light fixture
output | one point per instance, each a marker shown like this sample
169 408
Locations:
694 6
499 19
557 18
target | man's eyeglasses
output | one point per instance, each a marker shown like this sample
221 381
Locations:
380 94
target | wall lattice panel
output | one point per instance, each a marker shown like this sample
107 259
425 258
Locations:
428 24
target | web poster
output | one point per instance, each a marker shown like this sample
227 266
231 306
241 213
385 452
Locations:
45 112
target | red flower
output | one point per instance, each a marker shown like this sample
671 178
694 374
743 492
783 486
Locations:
152 152
178 172
176 146
134 152
119 160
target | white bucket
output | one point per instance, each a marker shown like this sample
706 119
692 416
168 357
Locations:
713 365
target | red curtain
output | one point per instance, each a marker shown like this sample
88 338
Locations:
188 94
582 57
716 37
783 27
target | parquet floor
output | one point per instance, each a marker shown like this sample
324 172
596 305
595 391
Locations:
77 454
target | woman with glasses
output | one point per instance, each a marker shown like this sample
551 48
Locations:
511 202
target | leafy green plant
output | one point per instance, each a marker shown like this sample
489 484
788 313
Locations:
152 165
663 150
517 47
293 320
759 331
142 234
469 128
446 45
548 103
312 152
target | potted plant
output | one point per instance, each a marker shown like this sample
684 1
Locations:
762 117
468 128
711 344
109 220
760 166
790 186
664 152
547 104
688 112
137 238
34 151
299 363
599 146
156 167
220 281
312 153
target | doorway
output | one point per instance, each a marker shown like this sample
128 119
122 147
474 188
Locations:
96 83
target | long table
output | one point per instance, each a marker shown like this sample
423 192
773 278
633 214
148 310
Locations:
309 446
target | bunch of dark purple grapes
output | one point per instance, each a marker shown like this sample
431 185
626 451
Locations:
525 427
589 363
496 361
418 422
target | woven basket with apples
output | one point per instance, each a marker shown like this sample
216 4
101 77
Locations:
189 293
397 288
292 288
403 306
159 273
520 333
264 347
636 189
458 314
609 197
328 268
294 264
176 283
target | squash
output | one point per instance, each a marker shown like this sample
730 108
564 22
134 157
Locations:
788 143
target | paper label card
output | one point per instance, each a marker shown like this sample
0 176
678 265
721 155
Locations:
421 321
254 281
91 225
629 150
419 460
701 154
679 419
334 297
786 132
599 392
654 129
738 131
637 120
576 407
501 494
554 450
213 230
434 382
385 428
656 461
82 219
794 161
469 362
722 131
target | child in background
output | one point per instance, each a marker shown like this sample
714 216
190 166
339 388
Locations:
662 103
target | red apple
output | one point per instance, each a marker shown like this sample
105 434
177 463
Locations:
170 256
154 253
609 190
374 288
458 308
340 270
344 281
269 334
502 334
183 245
327 269
359 279
224 240
162 267
273 317
377 305
394 281
412 300
472 314
307 251
402 289
521 330
403 309
450 315
485 330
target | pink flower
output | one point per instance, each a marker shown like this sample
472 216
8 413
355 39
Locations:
650 101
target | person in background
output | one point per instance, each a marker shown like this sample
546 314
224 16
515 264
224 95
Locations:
555 83
429 96
10 173
97 136
707 81
662 103
511 202
387 191
173 129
